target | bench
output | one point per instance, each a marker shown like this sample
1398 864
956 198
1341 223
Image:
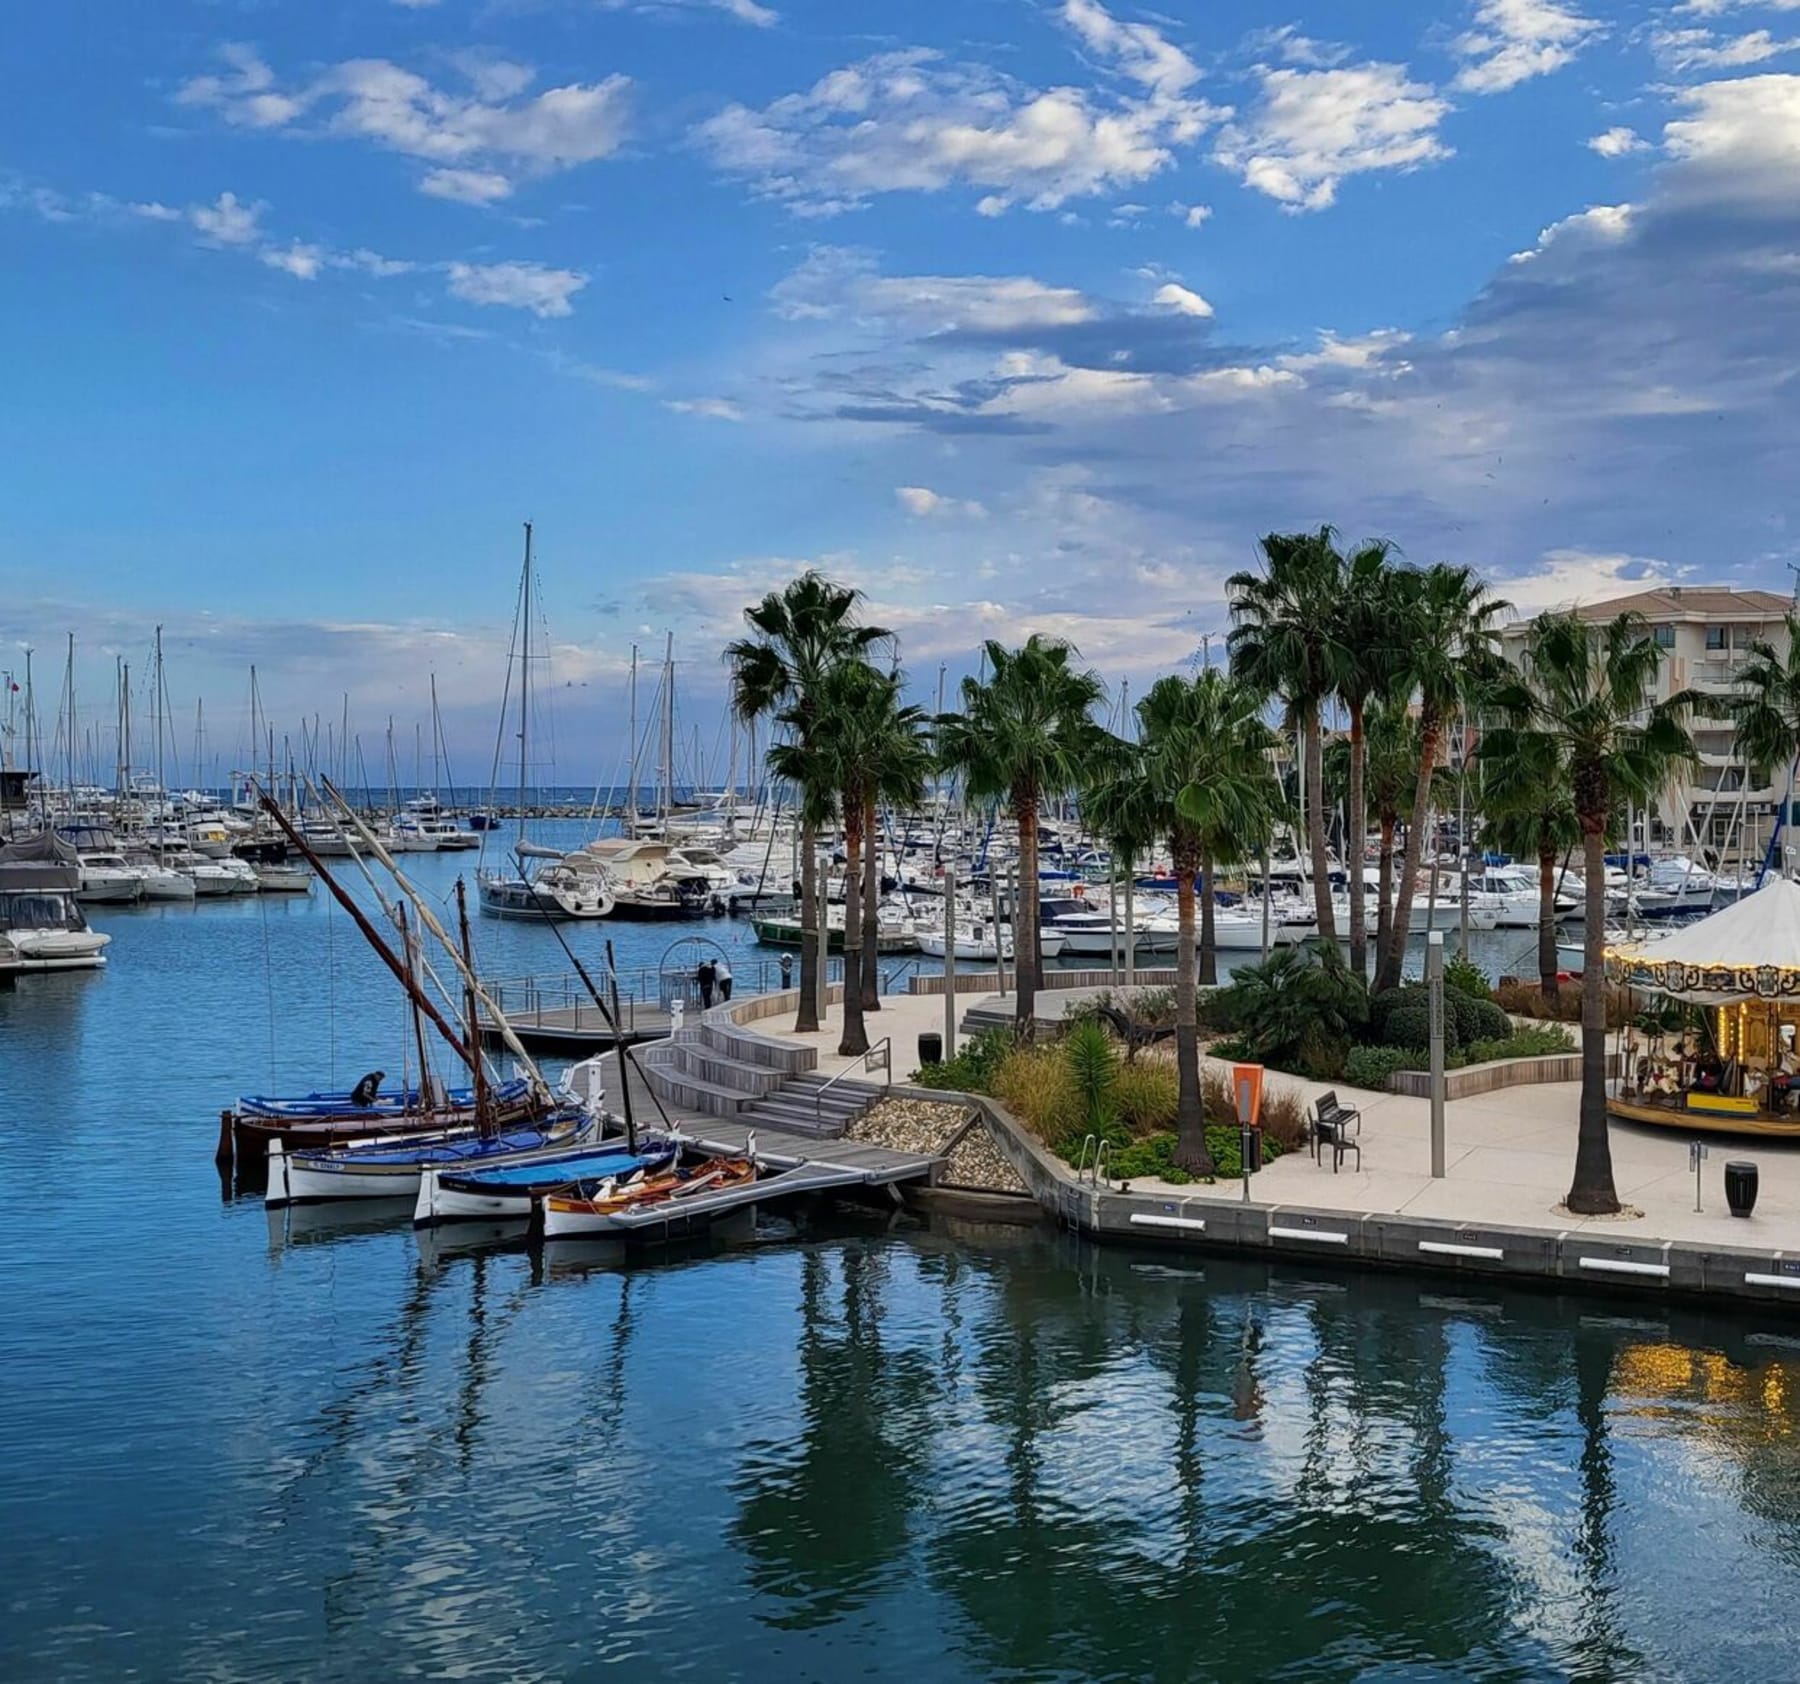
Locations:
1332 1125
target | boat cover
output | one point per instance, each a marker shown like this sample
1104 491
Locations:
39 862
559 1170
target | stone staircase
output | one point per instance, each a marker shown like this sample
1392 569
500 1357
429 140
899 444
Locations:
722 1069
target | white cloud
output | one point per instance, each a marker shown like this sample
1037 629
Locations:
519 286
745 11
227 221
1717 8
467 187
1742 138
1566 578
841 281
372 263
155 211
708 409
303 262
1192 216
1701 49
1515 40
381 102
1598 223
1312 128
1182 301
908 121
923 503
1615 143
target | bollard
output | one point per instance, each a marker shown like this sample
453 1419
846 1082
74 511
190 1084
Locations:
224 1152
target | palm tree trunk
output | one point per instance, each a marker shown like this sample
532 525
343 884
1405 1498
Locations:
871 911
1024 923
1353 847
1314 750
806 1019
855 1037
1190 1115
1547 983
1393 958
1209 941
1592 1192
1384 887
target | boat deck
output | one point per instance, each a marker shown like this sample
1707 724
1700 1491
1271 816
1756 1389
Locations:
576 1027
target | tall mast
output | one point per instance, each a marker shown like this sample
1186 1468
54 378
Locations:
437 745
156 702
524 683
631 795
668 727
123 747
484 1123
69 722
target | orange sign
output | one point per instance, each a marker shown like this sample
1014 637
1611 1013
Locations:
1247 1085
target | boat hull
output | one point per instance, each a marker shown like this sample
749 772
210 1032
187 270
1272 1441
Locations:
446 1195
388 1168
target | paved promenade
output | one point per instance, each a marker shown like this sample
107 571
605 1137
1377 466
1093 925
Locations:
1509 1157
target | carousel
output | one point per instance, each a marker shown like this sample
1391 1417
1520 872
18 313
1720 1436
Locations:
1719 1048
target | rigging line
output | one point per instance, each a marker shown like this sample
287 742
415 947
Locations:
331 980
268 986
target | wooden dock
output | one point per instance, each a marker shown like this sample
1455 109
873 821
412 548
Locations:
859 1161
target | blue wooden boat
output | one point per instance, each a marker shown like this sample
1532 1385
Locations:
388 1167
499 1192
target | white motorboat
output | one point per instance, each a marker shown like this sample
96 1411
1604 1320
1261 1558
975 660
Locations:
285 878
162 868
40 919
218 877
1514 891
108 877
1088 928
976 941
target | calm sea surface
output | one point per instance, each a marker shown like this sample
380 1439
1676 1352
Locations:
321 1450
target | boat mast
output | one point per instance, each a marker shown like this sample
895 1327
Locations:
124 744
524 693
156 703
631 793
668 730
410 946
437 747
484 1121
69 722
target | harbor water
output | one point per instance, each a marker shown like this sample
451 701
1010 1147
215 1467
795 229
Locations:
860 1445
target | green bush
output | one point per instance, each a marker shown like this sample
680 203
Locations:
1300 993
1380 1005
1144 1094
1370 1067
974 1067
1409 1025
1154 1156
1490 1022
1231 1047
1093 1060
1537 1040
1466 977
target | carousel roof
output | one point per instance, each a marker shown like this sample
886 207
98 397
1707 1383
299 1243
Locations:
1749 949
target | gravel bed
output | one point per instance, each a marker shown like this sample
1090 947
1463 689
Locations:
923 1125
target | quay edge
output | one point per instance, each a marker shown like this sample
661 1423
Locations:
1217 1219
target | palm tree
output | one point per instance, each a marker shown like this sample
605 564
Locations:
1390 766
1288 639
1591 690
1024 732
799 634
1200 774
1443 623
1368 668
1765 707
1526 795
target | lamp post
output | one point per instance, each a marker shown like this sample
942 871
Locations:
1434 985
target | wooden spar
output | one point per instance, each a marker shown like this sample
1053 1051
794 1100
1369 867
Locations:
410 943
484 1119
370 934
612 971
429 918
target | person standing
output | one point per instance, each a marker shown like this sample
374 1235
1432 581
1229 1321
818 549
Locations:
787 970
703 980
722 975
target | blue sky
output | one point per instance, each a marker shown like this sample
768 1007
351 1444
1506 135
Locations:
1019 314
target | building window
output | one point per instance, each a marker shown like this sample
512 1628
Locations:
1715 638
1743 636
1665 637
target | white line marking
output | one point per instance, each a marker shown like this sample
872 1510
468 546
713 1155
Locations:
1444 1248
1318 1235
1145 1220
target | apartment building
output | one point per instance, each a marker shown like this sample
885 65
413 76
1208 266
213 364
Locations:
1706 632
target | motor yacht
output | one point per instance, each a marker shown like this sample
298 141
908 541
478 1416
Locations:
40 918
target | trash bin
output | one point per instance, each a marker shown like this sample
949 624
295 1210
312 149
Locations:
1740 1187
931 1048
1253 1157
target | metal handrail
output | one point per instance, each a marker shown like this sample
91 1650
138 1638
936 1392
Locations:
1100 1164
904 968
1087 1140
883 1049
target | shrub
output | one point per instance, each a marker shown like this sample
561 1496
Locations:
1380 1005
1321 1054
1467 977
1536 1041
1144 1094
1283 1118
1409 1025
1490 1022
973 1069
1370 1067
1035 1084
1524 999
1308 989
1233 1048
1154 1156
1093 1059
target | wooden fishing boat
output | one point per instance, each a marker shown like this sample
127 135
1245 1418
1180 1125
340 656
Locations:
616 1207
512 1192
389 1167
318 1122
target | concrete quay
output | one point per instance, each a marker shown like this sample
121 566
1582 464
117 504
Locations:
1495 1213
